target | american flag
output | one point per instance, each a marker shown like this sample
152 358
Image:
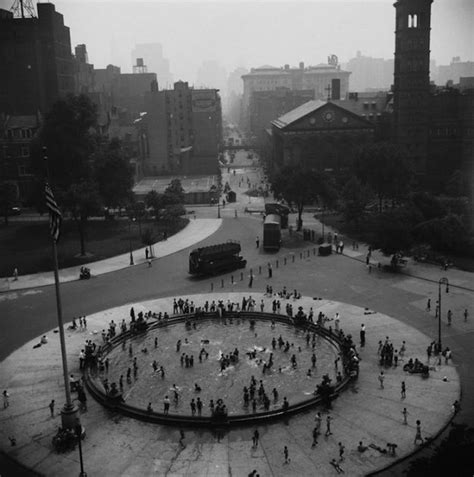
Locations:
55 217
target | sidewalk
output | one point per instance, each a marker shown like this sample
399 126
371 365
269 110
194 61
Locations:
196 231
423 271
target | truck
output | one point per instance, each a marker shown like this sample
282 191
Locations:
215 259
279 209
272 232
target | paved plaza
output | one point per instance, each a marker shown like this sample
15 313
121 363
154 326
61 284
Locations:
117 445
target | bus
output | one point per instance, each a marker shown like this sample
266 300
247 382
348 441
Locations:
272 232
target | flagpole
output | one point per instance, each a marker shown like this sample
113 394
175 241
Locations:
69 413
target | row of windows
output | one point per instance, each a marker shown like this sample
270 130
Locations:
19 133
443 132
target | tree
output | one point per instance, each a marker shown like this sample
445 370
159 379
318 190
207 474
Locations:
174 193
355 199
114 174
301 186
69 146
82 201
385 170
456 185
393 230
156 201
447 233
172 212
84 170
149 238
8 196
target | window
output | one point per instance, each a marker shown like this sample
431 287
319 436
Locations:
413 20
25 151
23 170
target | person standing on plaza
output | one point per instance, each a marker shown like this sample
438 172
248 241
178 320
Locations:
6 399
381 379
405 415
466 314
450 317
181 438
315 437
166 405
403 390
286 455
341 452
255 437
270 271
362 335
418 437
257 241
51 407
15 274
328 425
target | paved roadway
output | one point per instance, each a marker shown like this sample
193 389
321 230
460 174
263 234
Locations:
27 314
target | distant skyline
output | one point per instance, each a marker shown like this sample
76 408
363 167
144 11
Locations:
252 34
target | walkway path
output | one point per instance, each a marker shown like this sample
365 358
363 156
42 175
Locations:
116 445
196 231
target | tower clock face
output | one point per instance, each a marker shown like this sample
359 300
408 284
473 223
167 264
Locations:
328 116
312 120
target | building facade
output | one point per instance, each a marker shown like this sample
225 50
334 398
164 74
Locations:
37 63
319 135
16 132
181 131
327 81
266 106
412 79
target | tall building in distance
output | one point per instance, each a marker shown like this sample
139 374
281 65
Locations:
326 80
211 74
232 102
369 73
453 72
152 55
36 61
412 78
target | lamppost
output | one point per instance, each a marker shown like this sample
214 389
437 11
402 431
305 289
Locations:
78 429
442 281
130 240
218 209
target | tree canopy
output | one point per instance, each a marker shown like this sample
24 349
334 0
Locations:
85 170
302 186
384 168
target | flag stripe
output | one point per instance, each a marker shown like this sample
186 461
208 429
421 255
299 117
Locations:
55 217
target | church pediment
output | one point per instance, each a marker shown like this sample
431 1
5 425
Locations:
329 117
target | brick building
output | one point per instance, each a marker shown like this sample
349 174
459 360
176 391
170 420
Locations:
37 64
181 131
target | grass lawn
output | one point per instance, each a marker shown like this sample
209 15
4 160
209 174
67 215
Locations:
27 245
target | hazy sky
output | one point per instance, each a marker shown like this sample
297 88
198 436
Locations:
250 34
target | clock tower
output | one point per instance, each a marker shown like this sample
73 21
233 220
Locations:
412 78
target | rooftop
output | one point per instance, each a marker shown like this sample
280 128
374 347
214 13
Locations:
298 113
